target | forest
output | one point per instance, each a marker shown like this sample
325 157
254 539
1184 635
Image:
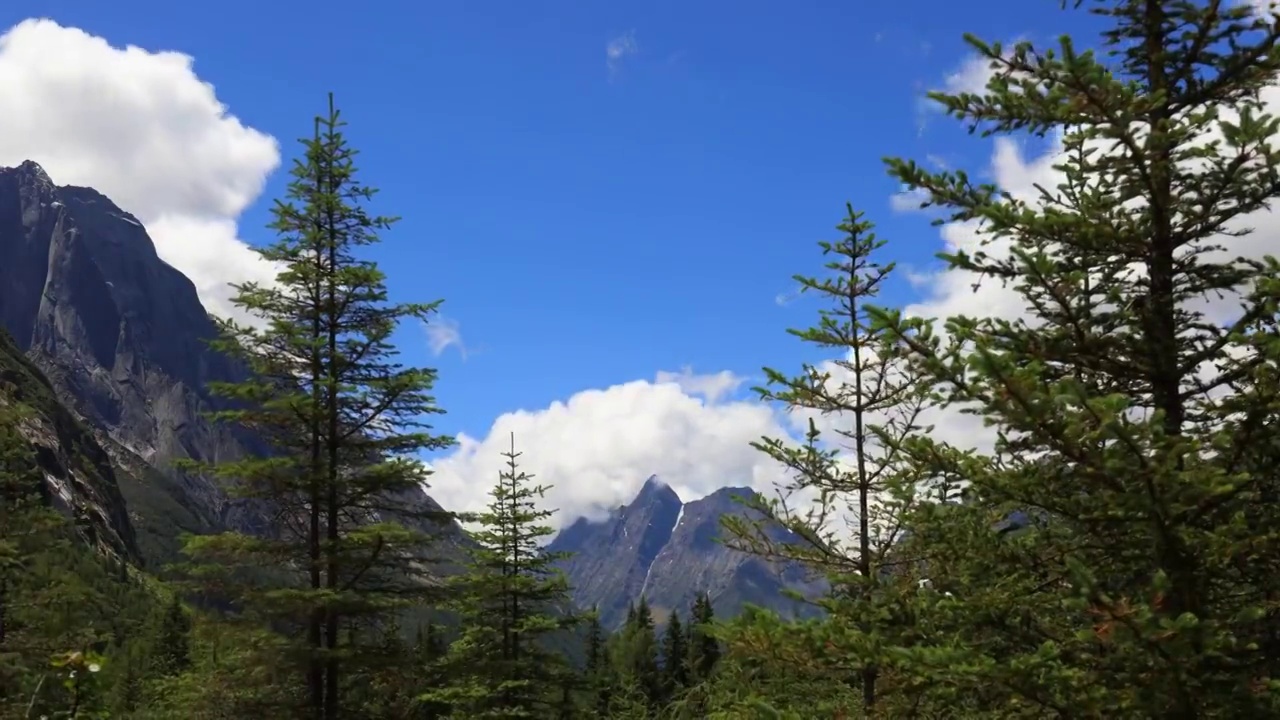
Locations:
1113 553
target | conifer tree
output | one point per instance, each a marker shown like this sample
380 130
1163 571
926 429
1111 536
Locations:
636 653
1134 400
854 474
598 672
342 417
675 658
704 648
511 601
171 654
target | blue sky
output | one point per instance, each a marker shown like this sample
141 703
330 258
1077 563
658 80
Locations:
589 226
589 221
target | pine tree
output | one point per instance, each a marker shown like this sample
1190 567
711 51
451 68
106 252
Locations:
675 658
636 654
511 602
342 417
704 648
595 642
1135 409
876 402
598 675
171 654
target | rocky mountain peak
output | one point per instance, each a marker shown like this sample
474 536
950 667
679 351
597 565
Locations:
669 552
123 340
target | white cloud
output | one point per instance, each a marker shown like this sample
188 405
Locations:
598 448
711 387
971 77
142 128
619 48
907 200
443 333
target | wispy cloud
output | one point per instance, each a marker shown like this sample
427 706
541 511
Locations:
443 333
785 298
618 49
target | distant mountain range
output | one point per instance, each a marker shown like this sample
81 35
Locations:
668 552
109 343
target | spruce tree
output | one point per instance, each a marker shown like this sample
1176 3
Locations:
171 652
511 602
1135 401
851 490
704 647
598 672
343 418
635 654
675 658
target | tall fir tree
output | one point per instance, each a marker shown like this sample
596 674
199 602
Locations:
675 658
343 417
850 489
636 654
1134 399
171 650
512 601
703 646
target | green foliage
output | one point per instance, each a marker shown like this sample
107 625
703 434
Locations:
511 601
675 658
344 420
1129 402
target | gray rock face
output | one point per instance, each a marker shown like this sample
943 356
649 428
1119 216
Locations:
77 473
611 560
669 552
123 339
695 561
121 335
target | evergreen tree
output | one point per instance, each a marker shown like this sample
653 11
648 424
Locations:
1134 407
342 417
875 401
598 672
675 658
704 647
595 642
636 654
511 602
172 646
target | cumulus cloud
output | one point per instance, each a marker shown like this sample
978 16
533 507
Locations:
618 49
443 333
598 447
711 387
141 127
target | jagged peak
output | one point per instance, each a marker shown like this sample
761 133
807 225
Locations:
32 170
728 493
656 489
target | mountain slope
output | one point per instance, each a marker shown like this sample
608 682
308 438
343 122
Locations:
669 552
695 561
610 560
123 339
78 476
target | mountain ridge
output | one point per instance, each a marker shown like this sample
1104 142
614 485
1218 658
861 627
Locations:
123 339
668 551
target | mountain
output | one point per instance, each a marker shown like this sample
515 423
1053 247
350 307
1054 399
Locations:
78 476
122 338
669 552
